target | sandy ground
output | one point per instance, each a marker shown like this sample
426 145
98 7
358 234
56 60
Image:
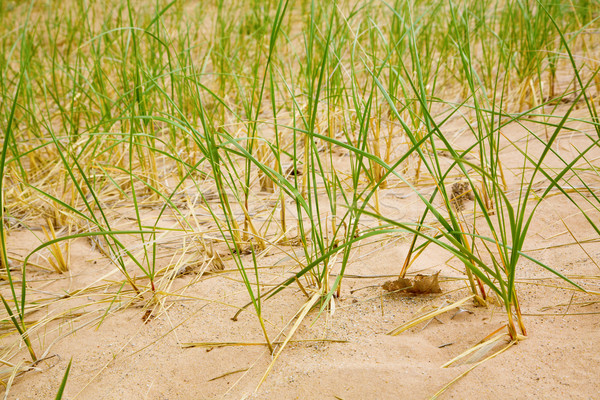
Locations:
129 359
120 353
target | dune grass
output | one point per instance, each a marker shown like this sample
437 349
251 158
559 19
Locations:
282 125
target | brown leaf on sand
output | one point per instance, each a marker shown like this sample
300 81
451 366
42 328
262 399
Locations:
398 284
421 284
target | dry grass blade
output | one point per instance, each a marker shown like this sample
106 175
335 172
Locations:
228 374
428 316
301 315
214 345
11 379
61 261
475 353
463 374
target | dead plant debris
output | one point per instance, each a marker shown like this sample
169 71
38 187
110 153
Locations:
420 284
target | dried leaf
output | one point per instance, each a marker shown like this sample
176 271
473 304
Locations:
398 284
421 284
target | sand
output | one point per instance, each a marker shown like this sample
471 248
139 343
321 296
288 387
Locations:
128 347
